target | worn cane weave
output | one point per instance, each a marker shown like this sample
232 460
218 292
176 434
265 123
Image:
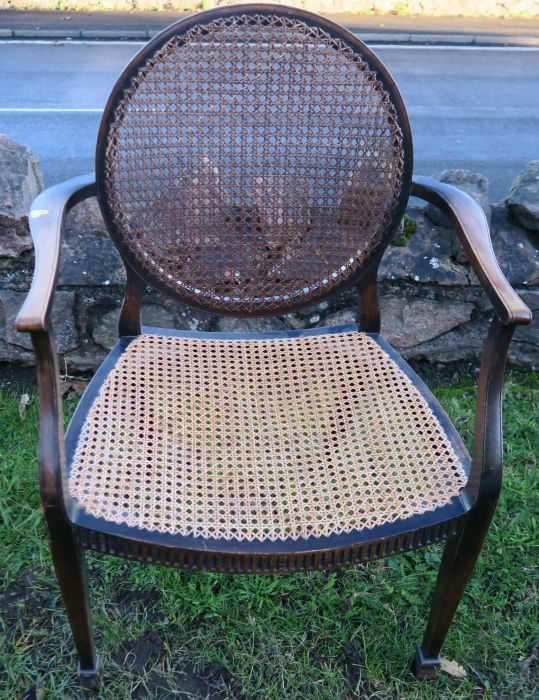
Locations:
252 163
261 439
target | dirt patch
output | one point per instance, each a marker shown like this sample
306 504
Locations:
23 603
140 601
354 663
17 377
143 657
188 683
136 654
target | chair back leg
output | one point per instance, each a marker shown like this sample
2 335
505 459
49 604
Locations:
70 567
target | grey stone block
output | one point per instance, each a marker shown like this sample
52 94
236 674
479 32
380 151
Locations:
474 184
63 322
228 324
20 183
433 307
410 321
523 198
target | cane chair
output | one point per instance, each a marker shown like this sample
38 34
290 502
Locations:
254 160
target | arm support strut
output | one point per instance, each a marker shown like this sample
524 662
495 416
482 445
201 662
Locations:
471 225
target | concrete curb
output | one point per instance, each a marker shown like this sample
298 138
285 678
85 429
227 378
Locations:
400 38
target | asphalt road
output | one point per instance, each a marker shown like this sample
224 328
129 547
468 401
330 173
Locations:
469 108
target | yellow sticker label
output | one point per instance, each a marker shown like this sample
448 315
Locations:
38 212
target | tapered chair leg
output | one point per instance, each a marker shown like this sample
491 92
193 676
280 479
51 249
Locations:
458 561
70 567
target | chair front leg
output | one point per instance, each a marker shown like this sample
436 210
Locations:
70 567
67 555
483 488
458 561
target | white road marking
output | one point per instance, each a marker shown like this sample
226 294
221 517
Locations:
447 47
365 37
70 42
50 110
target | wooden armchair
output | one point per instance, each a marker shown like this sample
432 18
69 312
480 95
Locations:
253 160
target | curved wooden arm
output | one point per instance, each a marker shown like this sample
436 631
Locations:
46 223
472 228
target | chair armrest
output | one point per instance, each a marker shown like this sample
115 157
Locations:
471 226
46 223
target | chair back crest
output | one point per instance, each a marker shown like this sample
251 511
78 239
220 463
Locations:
252 159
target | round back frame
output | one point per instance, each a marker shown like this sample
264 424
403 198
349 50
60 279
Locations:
253 160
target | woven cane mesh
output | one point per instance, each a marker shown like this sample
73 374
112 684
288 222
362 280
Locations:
251 163
261 439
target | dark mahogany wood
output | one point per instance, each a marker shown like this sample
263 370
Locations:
131 308
46 227
67 554
470 223
463 522
70 567
46 222
368 315
462 550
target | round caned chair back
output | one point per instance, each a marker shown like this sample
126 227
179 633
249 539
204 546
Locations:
252 160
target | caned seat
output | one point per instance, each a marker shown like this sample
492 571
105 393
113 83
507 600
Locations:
256 439
252 161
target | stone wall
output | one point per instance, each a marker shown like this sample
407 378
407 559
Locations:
433 309
433 8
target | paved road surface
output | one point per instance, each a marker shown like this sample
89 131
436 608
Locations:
474 108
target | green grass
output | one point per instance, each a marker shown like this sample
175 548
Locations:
343 636
409 227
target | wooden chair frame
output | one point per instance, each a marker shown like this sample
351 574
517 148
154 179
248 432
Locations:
463 523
